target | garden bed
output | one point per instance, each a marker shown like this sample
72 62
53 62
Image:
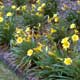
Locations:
40 38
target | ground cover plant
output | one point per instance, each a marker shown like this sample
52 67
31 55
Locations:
43 43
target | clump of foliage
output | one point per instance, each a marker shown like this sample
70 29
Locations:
50 9
74 16
19 2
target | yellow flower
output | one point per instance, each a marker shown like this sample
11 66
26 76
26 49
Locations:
18 30
49 19
24 7
39 24
27 29
76 31
9 14
18 9
38 14
38 1
61 59
66 45
56 19
51 53
46 48
13 7
40 9
1 19
72 26
38 48
1 7
65 39
43 5
55 15
53 30
19 40
68 61
40 44
37 36
33 6
29 52
75 37
65 6
28 39
16 35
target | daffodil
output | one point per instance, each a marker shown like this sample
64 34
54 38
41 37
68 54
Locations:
24 7
62 8
40 44
13 7
17 9
16 35
49 19
46 48
19 40
27 29
68 61
1 19
38 14
56 19
76 31
9 14
65 39
66 45
38 2
65 6
28 39
72 26
37 36
75 37
38 49
30 52
55 15
1 7
43 5
33 6
50 53
18 30
52 30
39 24
40 9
